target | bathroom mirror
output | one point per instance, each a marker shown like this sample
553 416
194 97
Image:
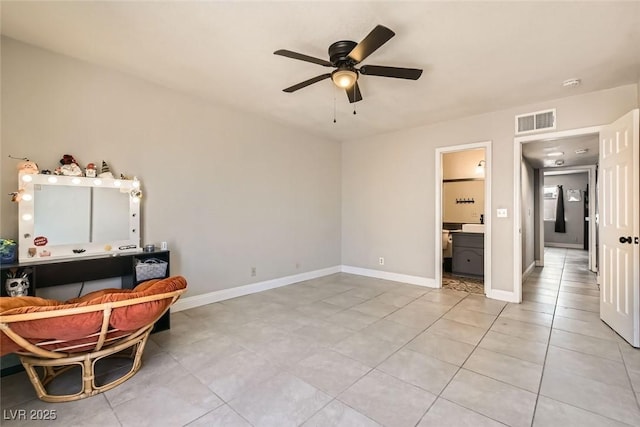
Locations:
63 216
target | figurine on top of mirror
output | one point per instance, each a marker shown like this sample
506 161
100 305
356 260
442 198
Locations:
27 167
90 170
105 171
69 166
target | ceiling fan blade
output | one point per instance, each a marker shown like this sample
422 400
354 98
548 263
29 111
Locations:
307 83
398 73
301 57
353 93
376 38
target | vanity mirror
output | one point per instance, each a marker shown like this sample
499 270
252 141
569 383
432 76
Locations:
67 217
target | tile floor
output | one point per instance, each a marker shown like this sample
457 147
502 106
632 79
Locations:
460 283
351 351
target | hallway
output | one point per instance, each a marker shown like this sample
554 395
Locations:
587 365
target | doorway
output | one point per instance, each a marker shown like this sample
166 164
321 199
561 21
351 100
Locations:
463 198
617 222
576 206
533 156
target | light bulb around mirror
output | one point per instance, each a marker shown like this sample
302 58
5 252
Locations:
117 183
97 181
27 197
52 179
27 217
27 178
75 181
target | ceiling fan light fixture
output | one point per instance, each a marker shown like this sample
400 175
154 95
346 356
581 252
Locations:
344 78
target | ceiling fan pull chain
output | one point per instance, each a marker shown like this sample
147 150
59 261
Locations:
354 99
334 105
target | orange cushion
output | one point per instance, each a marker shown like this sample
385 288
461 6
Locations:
75 327
7 303
96 294
7 345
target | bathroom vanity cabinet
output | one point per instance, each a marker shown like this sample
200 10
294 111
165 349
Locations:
468 254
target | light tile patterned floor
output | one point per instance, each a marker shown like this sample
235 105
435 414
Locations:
461 283
350 351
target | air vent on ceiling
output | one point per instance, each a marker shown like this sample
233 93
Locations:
532 122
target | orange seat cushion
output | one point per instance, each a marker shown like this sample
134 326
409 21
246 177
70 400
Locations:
78 326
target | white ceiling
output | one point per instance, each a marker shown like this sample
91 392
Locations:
537 153
477 56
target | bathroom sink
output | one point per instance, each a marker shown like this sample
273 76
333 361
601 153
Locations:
473 228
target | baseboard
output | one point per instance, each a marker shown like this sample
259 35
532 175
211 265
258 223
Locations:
225 294
502 295
539 263
528 271
564 245
386 275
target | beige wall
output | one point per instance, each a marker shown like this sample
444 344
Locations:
462 165
227 190
388 183
454 210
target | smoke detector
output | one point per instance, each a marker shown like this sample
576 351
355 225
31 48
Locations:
559 162
581 150
571 83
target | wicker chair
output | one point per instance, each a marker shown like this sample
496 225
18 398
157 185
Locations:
121 321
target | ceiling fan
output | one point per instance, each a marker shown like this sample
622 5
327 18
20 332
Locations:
344 55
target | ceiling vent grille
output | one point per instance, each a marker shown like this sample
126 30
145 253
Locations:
532 122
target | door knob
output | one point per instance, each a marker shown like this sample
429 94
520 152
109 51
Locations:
625 239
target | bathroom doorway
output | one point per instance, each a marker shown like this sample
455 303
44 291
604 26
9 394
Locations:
463 203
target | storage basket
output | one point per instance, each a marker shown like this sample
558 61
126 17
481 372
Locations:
151 268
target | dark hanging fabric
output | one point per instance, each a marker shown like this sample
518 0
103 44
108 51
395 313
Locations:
560 225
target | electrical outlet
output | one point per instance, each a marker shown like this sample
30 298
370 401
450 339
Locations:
253 271
381 261
501 213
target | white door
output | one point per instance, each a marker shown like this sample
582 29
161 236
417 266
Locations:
619 191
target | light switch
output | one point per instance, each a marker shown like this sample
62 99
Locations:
501 213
